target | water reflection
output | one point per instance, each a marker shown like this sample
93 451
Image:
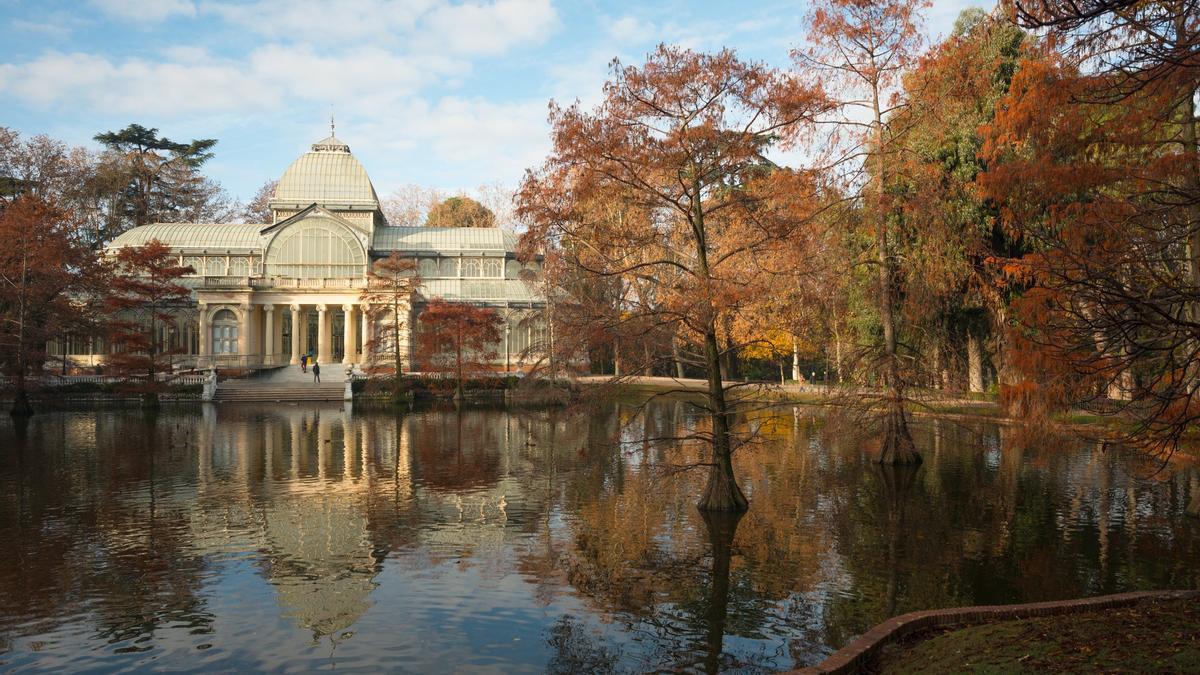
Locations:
298 537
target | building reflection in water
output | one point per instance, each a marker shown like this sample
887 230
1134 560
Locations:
325 496
269 536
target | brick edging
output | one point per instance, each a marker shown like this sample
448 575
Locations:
850 658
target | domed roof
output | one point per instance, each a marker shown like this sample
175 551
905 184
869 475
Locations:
327 174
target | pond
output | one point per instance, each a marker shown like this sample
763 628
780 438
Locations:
293 537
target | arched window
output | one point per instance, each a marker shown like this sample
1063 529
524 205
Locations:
316 249
225 332
450 267
491 268
429 268
214 267
239 267
512 270
471 267
196 263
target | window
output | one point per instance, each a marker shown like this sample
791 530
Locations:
214 267
315 250
428 267
196 263
239 267
471 268
224 332
491 268
449 268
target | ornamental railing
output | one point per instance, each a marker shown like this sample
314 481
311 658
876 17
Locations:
319 283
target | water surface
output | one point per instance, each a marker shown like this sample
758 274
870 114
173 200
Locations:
299 538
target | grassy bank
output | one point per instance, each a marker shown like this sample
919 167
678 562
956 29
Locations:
1150 637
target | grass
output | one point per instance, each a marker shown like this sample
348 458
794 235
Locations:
1151 637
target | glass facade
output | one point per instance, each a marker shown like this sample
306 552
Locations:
313 250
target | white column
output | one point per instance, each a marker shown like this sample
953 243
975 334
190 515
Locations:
349 337
268 349
244 328
277 335
205 335
295 334
323 334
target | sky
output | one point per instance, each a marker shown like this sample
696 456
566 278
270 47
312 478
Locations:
445 94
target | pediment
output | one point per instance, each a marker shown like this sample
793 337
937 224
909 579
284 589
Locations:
313 210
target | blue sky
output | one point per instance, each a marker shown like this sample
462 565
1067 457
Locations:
446 94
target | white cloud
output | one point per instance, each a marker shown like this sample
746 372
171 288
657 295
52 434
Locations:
457 134
418 25
190 80
146 11
487 28
630 29
323 21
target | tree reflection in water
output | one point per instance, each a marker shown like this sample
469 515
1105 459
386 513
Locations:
477 538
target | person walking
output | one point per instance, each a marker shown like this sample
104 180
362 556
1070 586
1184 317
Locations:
304 363
316 372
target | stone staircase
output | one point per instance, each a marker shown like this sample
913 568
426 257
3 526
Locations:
285 384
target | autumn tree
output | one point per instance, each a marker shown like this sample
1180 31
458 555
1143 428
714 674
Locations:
44 266
1094 154
665 183
460 211
862 48
74 178
457 337
143 301
956 296
390 286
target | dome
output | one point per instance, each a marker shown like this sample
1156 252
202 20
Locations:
328 175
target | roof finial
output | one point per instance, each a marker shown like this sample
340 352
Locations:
331 128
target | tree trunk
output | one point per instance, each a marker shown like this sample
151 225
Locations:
795 360
897 446
675 357
721 493
733 370
20 406
974 363
837 355
617 357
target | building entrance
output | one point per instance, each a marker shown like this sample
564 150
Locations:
313 325
337 331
